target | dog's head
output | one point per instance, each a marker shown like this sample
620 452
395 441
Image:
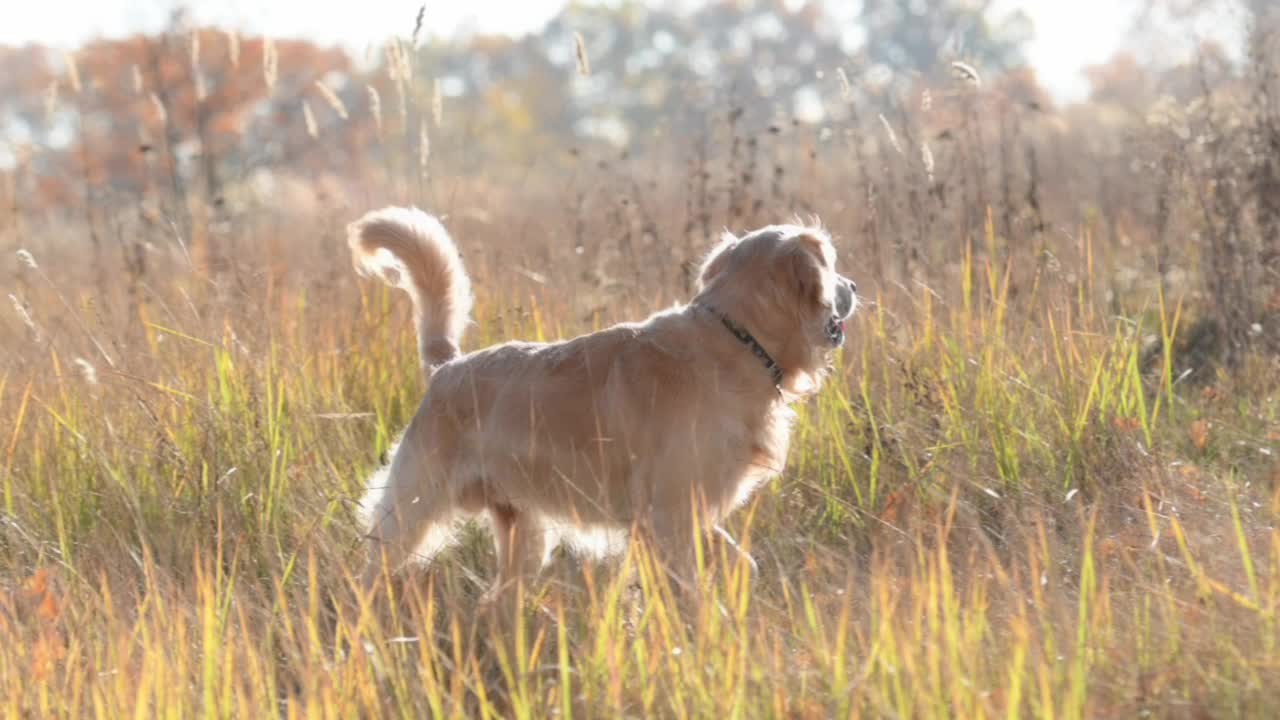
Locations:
780 283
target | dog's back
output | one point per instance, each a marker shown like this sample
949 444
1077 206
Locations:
570 427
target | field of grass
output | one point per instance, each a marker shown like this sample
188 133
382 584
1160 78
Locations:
1009 500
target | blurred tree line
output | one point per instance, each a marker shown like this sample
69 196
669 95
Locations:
198 108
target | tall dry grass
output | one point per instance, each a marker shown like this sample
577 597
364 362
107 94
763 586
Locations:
1024 491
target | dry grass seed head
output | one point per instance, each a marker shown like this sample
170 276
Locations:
21 308
87 370
27 258
73 72
424 148
332 98
417 23
162 115
310 119
893 137
270 63
580 51
966 72
50 101
846 90
233 48
437 103
375 106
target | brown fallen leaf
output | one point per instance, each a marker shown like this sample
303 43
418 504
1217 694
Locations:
1199 433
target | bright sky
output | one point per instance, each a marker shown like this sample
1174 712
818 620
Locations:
1069 34
355 24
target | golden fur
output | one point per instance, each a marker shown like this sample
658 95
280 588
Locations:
657 427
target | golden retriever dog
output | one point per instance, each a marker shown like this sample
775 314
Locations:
658 428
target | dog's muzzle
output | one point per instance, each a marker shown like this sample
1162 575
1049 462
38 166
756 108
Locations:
845 302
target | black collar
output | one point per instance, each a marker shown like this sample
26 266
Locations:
746 338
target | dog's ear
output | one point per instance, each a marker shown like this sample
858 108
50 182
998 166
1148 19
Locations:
804 268
717 260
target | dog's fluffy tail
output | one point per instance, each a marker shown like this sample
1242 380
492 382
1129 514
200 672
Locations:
411 250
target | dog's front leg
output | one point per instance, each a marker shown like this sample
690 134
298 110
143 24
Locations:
521 546
673 543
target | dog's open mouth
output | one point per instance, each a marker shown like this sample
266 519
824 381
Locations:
835 331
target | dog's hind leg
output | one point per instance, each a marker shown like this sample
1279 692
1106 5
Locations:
520 541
